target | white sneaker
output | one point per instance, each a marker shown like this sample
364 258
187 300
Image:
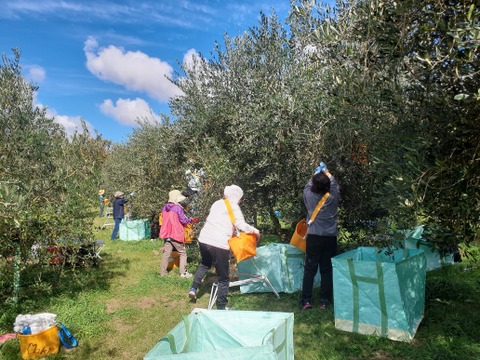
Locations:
192 294
186 275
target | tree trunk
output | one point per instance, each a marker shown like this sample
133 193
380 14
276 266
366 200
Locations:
277 227
17 270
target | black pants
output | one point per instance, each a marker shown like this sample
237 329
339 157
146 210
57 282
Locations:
220 258
319 253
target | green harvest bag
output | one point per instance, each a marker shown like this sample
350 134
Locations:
134 230
282 264
378 294
232 335
413 240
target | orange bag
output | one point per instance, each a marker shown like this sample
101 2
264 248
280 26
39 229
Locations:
298 237
243 246
39 345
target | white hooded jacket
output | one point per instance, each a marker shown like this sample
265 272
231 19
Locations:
218 228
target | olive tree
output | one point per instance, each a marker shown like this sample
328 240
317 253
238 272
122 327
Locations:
445 191
398 72
146 167
254 101
46 179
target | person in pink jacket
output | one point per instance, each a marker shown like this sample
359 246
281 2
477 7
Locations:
172 231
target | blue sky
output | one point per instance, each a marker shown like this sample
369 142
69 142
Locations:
105 61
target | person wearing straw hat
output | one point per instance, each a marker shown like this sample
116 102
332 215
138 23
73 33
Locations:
101 199
172 231
118 212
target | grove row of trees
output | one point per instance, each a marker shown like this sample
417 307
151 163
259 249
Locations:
385 92
46 178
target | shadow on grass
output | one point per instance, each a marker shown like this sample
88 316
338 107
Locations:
42 284
451 326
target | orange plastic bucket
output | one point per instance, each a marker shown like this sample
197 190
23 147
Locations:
298 237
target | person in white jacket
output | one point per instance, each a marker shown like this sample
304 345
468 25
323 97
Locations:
213 242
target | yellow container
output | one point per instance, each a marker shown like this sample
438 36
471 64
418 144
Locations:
188 232
298 237
173 260
39 345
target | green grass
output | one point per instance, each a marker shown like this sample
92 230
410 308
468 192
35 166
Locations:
120 309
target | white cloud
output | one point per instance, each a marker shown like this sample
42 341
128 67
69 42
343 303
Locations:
128 111
190 57
192 63
36 73
187 15
70 123
132 69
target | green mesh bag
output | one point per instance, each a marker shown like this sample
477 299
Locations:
379 294
282 264
232 335
134 230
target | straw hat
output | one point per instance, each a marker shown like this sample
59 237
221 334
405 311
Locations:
101 192
175 196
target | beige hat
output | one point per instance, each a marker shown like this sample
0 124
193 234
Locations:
101 192
175 196
118 194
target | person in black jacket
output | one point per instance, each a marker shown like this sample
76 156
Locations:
118 212
321 236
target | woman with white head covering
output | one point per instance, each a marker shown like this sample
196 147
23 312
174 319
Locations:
213 241
172 231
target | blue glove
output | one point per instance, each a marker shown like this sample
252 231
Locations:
321 167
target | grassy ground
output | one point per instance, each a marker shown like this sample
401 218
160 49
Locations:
121 308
